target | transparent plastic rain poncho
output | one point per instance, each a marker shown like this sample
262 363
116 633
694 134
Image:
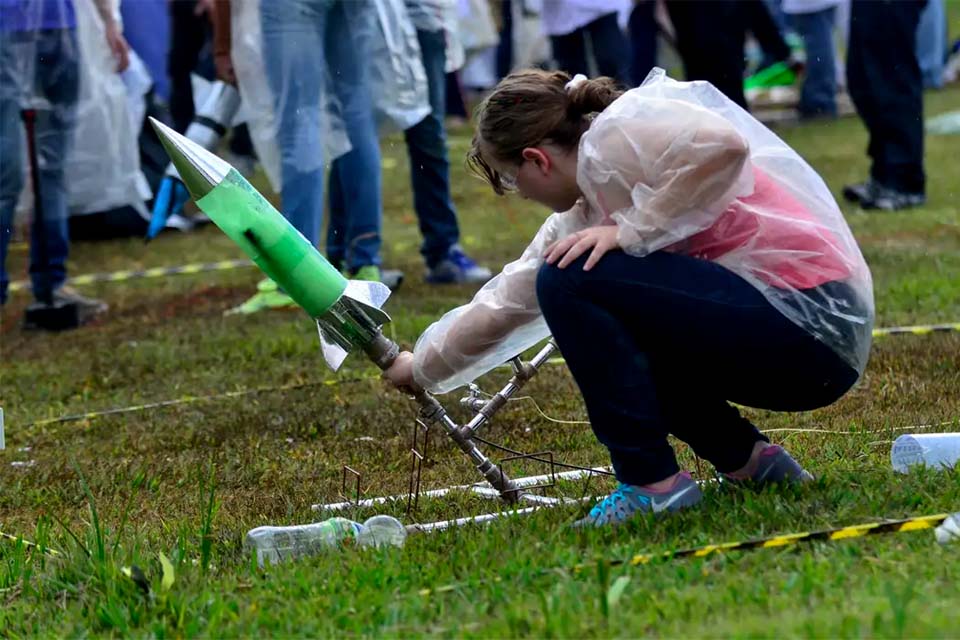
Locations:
679 167
396 70
103 165
87 123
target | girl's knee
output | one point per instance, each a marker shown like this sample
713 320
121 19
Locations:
553 284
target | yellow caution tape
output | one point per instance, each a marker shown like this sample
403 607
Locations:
917 523
27 543
788 539
917 330
155 272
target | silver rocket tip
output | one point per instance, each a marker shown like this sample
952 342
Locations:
200 170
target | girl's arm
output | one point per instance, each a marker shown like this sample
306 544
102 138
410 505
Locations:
663 169
501 321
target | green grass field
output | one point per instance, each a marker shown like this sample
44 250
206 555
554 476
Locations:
188 481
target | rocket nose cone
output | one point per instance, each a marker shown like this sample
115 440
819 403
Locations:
200 169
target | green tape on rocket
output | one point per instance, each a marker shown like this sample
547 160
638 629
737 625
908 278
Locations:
254 224
273 243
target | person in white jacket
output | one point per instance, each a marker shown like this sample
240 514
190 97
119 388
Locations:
697 261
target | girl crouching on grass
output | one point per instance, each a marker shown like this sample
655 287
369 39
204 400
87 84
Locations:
697 261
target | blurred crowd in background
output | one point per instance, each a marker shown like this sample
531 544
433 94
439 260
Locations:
308 88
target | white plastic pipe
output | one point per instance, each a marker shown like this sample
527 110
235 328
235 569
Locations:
483 489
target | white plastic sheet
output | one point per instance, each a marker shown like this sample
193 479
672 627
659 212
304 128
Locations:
680 167
103 164
399 80
102 161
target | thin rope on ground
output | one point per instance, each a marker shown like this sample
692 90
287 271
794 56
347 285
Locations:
565 465
922 427
193 399
542 413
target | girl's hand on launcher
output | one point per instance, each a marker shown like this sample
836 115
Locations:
400 373
600 239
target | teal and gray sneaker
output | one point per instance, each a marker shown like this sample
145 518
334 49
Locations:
627 500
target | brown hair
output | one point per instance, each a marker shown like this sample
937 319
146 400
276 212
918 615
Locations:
530 107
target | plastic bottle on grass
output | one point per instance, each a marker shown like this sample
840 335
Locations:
938 450
276 544
380 531
949 531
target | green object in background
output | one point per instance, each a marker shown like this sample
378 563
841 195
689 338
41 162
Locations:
273 243
776 75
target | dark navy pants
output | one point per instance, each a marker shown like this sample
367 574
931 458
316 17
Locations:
886 85
662 344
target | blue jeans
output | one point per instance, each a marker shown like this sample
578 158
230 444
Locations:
429 168
305 42
56 79
932 43
662 344
819 93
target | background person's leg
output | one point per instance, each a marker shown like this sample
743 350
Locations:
643 40
505 46
886 86
456 107
570 52
710 40
348 35
818 96
59 79
759 20
188 33
336 250
11 151
610 48
295 62
429 166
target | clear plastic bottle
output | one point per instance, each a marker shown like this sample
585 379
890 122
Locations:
380 531
275 544
939 450
949 530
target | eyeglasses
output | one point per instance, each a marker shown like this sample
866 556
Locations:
509 180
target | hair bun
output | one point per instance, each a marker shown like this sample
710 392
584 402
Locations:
591 95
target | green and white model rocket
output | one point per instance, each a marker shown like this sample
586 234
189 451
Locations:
347 312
